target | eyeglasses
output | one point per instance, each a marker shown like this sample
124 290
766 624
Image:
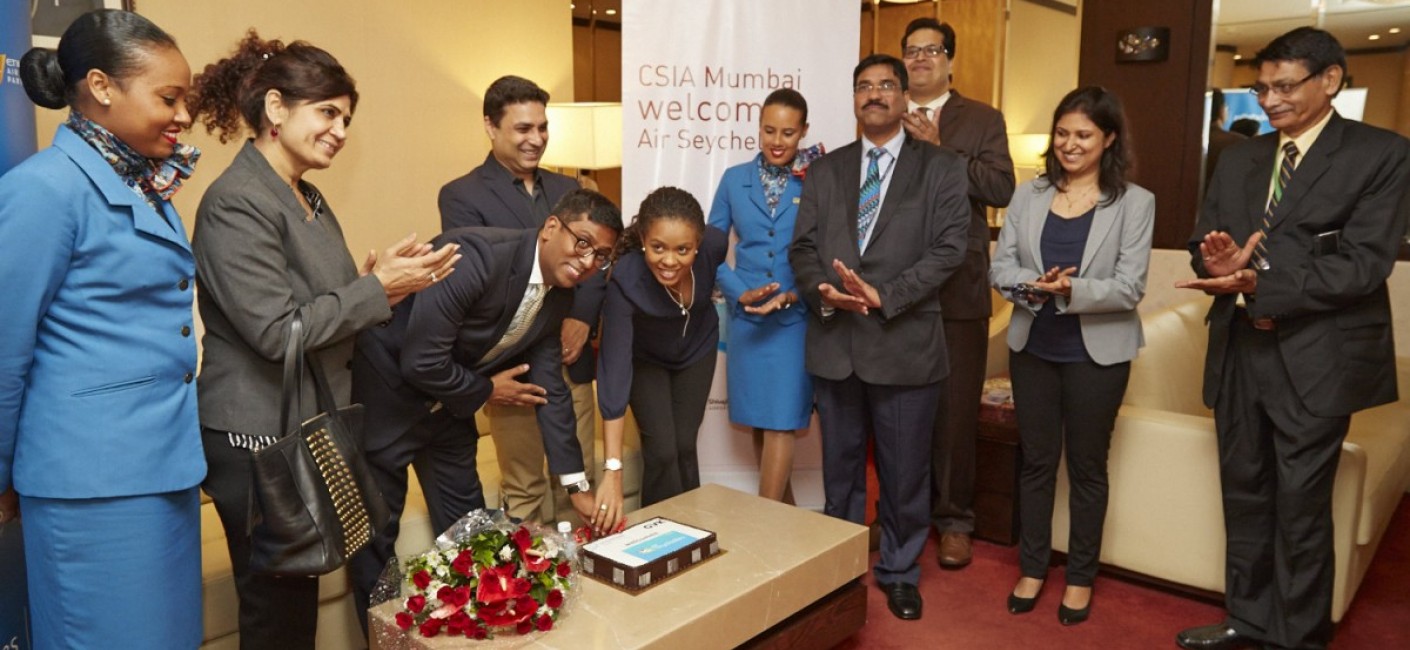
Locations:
1281 90
886 87
601 257
932 51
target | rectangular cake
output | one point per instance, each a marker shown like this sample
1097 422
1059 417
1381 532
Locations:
648 553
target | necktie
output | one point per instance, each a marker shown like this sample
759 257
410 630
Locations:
870 202
1285 170
523 318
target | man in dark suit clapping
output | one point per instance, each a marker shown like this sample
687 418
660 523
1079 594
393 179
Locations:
509 190
881 226
1298 233
487 333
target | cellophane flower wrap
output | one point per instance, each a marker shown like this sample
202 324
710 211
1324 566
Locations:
486 578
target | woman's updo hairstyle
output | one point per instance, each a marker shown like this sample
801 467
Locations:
662 203
110 40
232 90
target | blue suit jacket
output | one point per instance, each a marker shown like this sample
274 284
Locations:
761 254
96 352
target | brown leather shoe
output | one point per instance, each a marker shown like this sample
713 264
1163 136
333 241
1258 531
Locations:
956 550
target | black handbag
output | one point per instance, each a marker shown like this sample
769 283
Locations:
317 503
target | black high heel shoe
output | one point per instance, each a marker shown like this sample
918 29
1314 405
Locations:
1069 616
1020 605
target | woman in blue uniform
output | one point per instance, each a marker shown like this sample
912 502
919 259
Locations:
98 429
769 390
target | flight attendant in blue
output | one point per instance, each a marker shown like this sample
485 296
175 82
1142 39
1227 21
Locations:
769 390
98 428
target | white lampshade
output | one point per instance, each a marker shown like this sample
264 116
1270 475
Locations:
584 135
1027 149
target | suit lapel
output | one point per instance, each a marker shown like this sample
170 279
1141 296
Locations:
517 285
851 171
754 189
1037 217
1315 162
1256 181
501 184
165 226
950 115
1102 222
907 167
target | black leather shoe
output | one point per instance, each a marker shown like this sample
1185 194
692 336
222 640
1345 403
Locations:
903 600
1214 637
1069 616
1020 605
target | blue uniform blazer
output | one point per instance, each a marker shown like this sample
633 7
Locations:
97 354
761 253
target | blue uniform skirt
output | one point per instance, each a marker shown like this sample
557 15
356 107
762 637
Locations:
122 572
769 388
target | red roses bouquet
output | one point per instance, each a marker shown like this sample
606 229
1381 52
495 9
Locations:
487 576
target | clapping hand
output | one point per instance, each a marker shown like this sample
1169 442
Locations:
407 267
1056 281
1227 265
856 295
920 127
764 300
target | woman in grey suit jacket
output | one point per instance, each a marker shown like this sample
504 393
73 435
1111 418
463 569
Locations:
267 246
1072 257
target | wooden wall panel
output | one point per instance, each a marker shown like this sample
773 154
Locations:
1164 100
979 36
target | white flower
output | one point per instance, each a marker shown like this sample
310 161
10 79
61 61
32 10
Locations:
507 553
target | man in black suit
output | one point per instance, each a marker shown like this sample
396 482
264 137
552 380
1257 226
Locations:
464 342
940 115
873 244
510 191
1299 333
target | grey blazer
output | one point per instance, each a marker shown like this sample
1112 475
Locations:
1110 282
257 261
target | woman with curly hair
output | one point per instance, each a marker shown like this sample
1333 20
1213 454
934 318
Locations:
268 247
659 336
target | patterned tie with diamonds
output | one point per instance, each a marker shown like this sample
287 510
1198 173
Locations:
1285 170
522 319
870 202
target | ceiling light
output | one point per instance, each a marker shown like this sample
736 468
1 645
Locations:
1374 37
1394 30
611 12
1238 57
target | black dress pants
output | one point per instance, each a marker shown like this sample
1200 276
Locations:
1277 463
275 612
1059 405
668 406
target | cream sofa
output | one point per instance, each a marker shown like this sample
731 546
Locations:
337 621
1165 517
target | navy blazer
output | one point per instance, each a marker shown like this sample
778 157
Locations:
917 242
96 352
1331 303
761 254
487 197
431 350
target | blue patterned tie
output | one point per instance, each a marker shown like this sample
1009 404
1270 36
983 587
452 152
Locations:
1285 170
870 202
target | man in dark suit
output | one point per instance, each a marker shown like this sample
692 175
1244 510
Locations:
510 191
1299 333
1219 139
873 244
466 341
938 114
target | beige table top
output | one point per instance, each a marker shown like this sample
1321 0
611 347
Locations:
776 559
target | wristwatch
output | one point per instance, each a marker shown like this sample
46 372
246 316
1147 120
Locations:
580 486
612 464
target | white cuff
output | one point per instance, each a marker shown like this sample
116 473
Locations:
569 479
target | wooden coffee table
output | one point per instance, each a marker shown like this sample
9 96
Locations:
787 577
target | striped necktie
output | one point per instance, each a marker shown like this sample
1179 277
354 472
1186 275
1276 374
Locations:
1285 170
523 318
870 202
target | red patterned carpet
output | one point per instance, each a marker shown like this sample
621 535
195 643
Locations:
965 609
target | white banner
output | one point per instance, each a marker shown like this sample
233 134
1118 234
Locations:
694 78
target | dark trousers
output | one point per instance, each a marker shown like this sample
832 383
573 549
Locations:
1072 405
443 448
1277 463
275 612
668 406
902 419
957 427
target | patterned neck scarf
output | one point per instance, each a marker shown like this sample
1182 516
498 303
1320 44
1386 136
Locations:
154 180
775 177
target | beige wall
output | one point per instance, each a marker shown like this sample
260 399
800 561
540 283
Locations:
1041 65
1381 74
421 69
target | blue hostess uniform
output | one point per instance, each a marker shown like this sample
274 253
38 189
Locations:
98 426
768 385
